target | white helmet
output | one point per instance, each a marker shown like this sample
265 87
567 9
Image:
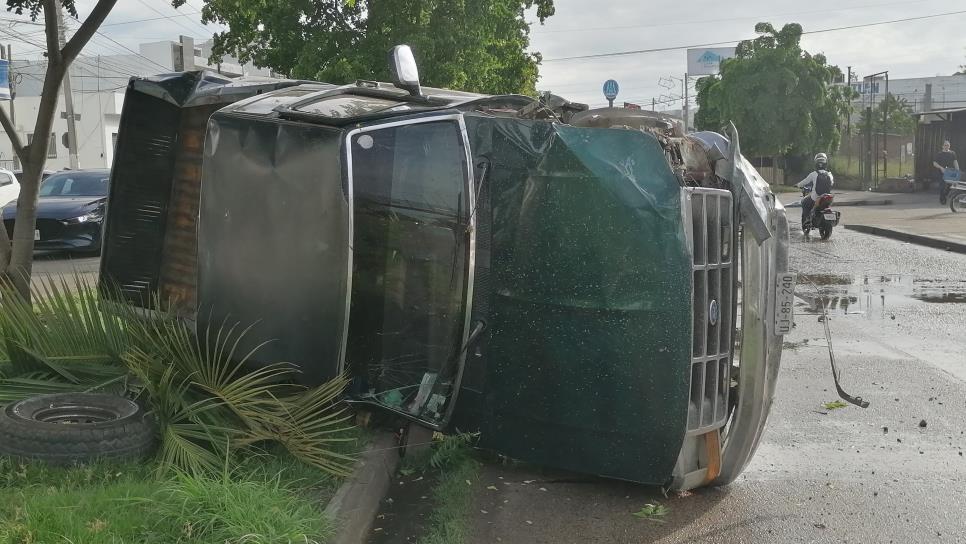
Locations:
821 157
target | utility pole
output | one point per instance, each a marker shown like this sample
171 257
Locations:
848 123
11 81
68 96
686 105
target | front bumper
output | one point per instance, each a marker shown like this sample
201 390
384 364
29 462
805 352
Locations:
56 235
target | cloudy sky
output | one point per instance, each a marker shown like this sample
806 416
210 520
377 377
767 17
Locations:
925 47
928 47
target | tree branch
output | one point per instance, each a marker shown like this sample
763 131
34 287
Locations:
15 141
52 26
87 29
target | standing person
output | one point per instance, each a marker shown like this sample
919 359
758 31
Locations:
944 160
820 180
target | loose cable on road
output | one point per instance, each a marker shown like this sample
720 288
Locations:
857 401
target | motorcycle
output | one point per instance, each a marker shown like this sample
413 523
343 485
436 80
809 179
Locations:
957 196
823 217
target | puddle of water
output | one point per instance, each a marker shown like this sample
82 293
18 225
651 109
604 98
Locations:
874 294
825 279
941 298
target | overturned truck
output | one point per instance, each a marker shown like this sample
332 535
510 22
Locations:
593 291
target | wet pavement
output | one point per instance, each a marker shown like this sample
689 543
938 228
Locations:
821 475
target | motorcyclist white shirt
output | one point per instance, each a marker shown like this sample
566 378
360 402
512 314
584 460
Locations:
812 178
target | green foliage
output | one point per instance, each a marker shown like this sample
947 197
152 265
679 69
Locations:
34 7
268 499
834 405
652 512
780 98
205 401
453 498
229 509
892 115
474 46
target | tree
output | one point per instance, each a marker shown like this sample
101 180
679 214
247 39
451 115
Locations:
892 115
782 99
16 262
478 45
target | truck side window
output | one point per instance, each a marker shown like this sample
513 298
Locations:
410 255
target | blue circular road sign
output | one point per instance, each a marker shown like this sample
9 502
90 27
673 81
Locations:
611 88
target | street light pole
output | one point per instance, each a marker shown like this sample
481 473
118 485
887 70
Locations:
68 97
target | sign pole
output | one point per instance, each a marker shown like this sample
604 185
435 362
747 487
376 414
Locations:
686 104
13 93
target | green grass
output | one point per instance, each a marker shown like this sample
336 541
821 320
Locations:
453 499
452 459
265 499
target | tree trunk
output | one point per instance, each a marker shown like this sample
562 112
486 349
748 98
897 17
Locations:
21 257
34 157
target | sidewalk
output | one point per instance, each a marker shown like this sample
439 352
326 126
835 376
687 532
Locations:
911 217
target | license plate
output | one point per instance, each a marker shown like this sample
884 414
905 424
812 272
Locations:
36 234
830 217
785 304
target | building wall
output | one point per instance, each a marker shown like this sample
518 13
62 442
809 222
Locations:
98 85
947 91
99 121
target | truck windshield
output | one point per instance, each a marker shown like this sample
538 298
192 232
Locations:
409 264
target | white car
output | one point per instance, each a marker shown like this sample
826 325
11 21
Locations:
9 187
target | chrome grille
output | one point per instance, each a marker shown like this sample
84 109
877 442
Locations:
712 237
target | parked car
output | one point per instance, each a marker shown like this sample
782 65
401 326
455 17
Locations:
9 186
46 174
566 285
70 211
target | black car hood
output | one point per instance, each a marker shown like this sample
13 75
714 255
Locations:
59 207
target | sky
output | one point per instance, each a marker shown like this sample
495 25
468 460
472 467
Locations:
928 47
920 48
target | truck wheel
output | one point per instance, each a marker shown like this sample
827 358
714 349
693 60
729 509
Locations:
957 202
68 428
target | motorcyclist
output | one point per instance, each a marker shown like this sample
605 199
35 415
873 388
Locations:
820 180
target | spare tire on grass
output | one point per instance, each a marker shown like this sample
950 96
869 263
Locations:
67 428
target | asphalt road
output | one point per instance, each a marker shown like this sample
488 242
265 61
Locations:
63 267
844 475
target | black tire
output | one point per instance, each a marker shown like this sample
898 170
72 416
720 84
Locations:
957 201
825 232
68 428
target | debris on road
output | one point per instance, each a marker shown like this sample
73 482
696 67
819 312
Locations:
652 512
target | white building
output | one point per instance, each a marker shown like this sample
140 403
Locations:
920 93
98 85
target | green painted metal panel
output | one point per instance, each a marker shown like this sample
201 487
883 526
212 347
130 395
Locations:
588 352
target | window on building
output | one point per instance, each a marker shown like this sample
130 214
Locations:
51 148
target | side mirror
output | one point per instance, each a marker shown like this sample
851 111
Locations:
405 73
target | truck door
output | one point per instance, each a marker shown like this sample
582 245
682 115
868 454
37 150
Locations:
412 265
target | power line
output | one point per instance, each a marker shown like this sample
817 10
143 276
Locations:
718 20
151 19
179 23
726 42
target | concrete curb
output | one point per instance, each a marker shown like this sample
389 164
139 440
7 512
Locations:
918 239
848 203
885 202
355 504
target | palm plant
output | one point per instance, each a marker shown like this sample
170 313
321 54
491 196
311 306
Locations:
197 386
